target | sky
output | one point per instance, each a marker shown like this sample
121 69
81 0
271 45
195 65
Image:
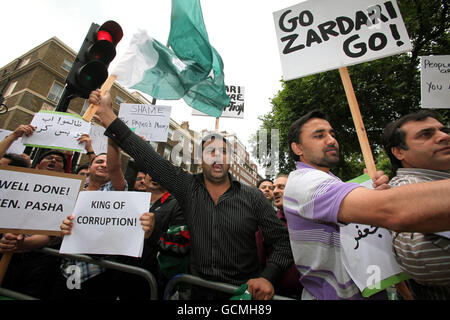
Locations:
242 31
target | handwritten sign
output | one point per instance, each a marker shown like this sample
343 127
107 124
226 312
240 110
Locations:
16 147
57 130
435 81
367 254
99 140
108 223
36 200
236 107
320 35
147 120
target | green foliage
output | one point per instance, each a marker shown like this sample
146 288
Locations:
386 89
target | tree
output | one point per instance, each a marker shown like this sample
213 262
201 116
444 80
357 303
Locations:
386 89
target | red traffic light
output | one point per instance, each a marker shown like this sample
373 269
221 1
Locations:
104 35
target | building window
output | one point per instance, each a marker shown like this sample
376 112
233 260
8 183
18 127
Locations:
55 92
10 89
67 65
24 62
119 100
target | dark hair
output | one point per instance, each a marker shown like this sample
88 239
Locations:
56 152
393 136
296 128
96 156
81 167
17 160
261 181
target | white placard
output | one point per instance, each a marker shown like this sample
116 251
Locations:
16 147
32 199
107 222
99 140
236 107
435 81
367 254
150 121
57 130
321 35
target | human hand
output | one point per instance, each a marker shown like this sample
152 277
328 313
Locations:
105 114
148 223
380 181
24 129
260 289
67 225
11 242
85 138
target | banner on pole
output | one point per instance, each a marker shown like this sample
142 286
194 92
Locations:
435 82
150 121
321 35
236 107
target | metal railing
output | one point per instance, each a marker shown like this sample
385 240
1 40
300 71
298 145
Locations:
219 286
111 265
180 278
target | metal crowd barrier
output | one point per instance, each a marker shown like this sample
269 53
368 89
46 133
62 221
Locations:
219 286
180 278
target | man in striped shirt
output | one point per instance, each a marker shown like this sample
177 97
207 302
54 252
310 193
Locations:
222 214
418 145
316 202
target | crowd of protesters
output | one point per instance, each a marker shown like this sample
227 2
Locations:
279 238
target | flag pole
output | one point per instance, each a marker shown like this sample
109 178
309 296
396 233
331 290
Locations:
92 109
359 124
217 124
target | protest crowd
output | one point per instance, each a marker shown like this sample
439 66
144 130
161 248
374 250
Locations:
305 235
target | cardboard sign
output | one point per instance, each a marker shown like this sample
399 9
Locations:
236 107
147 120
320 35
57 130
435 81
36 201
107 222
367 254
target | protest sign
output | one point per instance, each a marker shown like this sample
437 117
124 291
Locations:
16 147
57 130
107 223
435 81
35 201
99 140
367 254
322 35
236 107
150 121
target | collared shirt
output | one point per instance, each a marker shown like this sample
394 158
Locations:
87 270
426 257
311 202
223 246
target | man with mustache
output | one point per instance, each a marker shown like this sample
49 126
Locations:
418 145
221 213
316 202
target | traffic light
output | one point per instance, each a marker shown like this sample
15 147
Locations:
90 69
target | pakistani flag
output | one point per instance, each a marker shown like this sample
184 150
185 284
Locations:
190 69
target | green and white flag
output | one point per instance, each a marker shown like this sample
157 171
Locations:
190 69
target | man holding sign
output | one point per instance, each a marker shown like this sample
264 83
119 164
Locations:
105 174
316 202
418 146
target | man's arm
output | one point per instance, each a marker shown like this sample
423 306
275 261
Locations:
115 167
420 207
172 178
24 129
